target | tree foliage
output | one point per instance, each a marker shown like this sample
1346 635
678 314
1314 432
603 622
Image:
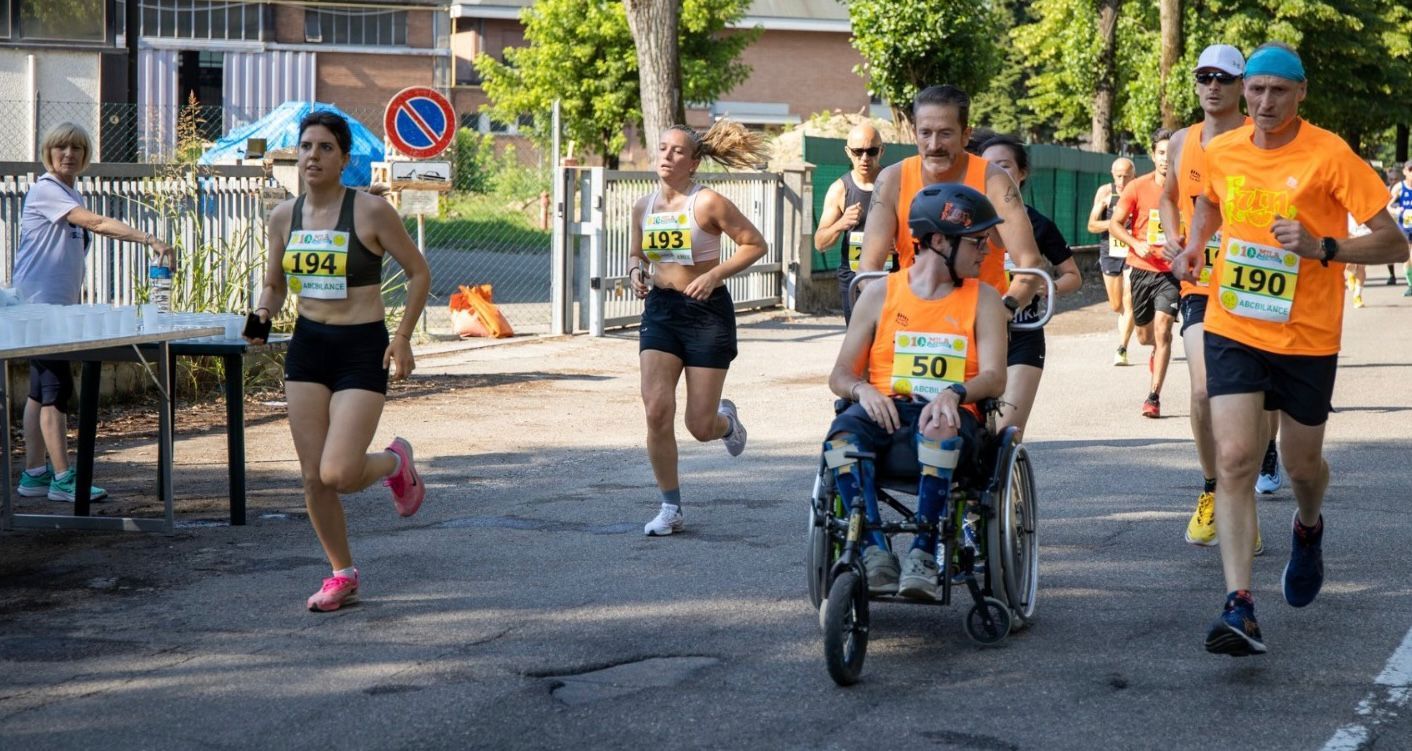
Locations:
581 52
908 45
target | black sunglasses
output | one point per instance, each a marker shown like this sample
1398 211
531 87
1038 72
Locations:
1224 79
870 151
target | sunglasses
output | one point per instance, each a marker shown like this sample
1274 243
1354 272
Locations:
1225 79
870 151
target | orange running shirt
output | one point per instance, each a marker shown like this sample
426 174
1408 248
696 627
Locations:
1191 178
993 267
920 347
1139 202
1267 297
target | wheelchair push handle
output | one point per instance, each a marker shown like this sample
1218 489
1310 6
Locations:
1038 323
1035 324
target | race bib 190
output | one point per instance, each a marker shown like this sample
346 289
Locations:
1258 281
316 264
923 364
666 237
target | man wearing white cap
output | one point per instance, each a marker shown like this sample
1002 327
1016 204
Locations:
1280 190
1219 72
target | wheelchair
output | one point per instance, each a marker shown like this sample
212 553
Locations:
986 539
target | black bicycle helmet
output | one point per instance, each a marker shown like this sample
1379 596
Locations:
953 210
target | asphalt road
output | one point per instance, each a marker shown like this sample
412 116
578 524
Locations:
484 617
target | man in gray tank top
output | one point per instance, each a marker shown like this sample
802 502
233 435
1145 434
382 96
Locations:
846 207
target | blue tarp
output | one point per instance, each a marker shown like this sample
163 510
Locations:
280 129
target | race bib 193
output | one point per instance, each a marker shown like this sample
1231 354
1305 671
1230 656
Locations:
316 263
666 237
923 364
1258 281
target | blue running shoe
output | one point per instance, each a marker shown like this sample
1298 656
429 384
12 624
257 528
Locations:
1236 633
1304 574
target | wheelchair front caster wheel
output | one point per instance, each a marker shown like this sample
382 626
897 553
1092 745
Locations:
991 632
845 617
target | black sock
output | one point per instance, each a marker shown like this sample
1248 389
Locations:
1154 397
1210 484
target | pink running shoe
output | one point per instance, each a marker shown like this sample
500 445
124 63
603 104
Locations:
405 483
336 592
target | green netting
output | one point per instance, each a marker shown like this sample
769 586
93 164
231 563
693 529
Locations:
1061 184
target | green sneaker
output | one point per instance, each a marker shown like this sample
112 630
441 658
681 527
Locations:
64 485
35 487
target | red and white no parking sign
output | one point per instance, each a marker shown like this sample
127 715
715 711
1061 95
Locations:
419 122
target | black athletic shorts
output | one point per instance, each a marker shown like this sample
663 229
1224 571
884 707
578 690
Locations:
845 278
897 451
1111 266
1154 292
700 333
51 383
1193 310
1302 386
339 357
1026 348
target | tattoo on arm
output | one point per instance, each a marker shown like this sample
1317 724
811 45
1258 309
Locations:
1012 194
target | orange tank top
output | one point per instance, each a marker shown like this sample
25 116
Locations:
921 347
993 267
1191 172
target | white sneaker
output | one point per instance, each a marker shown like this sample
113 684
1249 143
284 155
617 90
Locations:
919 576
735 440
1266 484
668 521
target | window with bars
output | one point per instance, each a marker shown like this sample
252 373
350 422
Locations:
356 26
229 20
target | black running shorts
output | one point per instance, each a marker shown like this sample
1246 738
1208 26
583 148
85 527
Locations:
701 333
339 357
1154 292
1193 311
51 383
1302 386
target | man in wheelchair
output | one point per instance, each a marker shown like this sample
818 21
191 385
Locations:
921 351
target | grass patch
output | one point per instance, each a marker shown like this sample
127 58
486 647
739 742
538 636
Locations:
472 221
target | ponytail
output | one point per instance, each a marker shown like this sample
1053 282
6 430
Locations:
729 144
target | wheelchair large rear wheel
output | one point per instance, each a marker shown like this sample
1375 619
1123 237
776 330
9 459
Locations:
846 628
1012 539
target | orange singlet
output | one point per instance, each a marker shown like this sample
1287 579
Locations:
1191 173
920 347
993 267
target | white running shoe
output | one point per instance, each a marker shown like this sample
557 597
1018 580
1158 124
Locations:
668 521
735 439
919 576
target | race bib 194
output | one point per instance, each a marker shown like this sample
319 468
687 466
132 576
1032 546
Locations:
316 264
666 237
1258 281
923 364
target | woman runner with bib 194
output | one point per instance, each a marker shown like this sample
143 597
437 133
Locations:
688 322
327 247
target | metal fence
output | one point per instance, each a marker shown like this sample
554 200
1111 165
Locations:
214 218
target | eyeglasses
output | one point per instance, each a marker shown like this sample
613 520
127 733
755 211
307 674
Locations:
1225 79
870 151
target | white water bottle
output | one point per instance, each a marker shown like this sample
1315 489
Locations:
159 281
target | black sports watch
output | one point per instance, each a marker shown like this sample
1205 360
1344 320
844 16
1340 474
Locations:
1010 303
1330 247
960 392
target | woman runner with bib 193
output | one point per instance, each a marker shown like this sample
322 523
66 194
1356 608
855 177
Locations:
327 246
688 322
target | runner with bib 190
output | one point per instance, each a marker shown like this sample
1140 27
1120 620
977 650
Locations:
1279 191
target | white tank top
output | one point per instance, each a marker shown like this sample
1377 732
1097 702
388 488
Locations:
675 236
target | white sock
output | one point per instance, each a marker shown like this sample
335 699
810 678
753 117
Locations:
347 573
37 471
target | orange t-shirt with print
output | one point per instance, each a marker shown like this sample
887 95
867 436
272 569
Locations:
920 346
1139 202
1266 297
993 266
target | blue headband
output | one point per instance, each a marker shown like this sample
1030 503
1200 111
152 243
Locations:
1275 61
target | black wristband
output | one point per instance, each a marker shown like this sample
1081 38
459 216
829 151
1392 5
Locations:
960 392
1011 303
1330 247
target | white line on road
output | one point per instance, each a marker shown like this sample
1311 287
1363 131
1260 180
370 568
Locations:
1382 703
